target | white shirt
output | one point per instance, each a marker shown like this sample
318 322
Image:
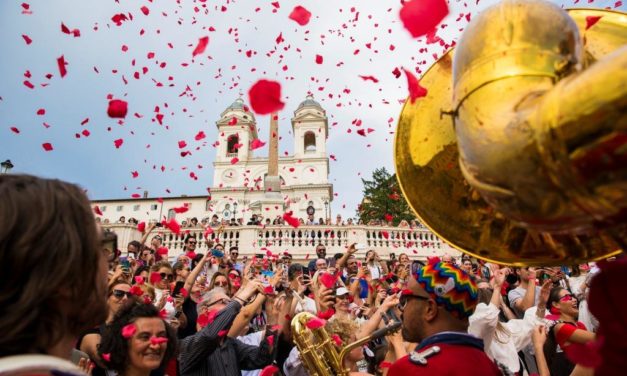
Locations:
169 306
502 346
375 271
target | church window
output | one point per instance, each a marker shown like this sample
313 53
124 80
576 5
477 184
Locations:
231 143
310 142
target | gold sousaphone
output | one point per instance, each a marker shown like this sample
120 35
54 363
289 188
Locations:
518 153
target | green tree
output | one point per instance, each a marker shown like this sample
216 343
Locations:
383 199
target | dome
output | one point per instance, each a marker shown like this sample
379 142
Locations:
237 105
309 102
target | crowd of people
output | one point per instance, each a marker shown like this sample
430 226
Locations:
70 293
257 220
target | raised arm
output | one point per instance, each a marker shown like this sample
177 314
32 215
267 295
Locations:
147 233
191 278
373 323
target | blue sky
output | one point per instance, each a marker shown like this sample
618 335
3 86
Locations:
336 31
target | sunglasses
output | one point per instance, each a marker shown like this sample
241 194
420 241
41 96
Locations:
167 276
234 253
119 294
404 299
221 283
194 243
567 298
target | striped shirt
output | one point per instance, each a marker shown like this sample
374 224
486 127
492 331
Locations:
206 353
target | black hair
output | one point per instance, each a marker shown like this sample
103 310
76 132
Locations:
138 271
233 248
136 244
293 269
338 256
114 344
189 236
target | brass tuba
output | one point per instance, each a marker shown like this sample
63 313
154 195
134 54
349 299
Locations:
518 153
317 350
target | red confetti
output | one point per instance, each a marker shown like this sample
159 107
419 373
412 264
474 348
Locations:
328 279
15 130
270 370
415 90
369 78
158 340
155 278
182 144
181 209
592 20
222 333
106 357
118 143
234 160
315 323
173 225
265 97
145 10
337 340
47 146
201 46
41 112
29 85
134 174
300 15
117 108
97 210
200 136
422 16
129 330
287 217
61 63
319 59
256 144
141 227
27 39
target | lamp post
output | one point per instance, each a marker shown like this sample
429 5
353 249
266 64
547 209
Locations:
326 210
6 166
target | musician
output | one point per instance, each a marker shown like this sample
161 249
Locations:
436 307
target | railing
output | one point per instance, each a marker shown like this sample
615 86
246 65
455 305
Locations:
301 242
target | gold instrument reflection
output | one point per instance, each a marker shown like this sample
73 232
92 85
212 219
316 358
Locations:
317 350
518 153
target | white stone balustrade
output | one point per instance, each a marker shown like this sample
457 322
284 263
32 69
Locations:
418 243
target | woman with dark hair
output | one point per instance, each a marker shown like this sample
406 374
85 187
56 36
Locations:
566 332
143 271
137 341
54 271
181 271
118 295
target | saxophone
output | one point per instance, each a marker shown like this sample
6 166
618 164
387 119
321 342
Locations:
317 350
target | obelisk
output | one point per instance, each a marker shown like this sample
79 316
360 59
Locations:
272 181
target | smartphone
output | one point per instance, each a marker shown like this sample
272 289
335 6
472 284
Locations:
177 288
178 314
217 253
158 224
360 247
126 265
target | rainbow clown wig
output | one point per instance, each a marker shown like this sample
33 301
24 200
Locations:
450 287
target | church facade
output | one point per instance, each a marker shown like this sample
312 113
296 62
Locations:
240 186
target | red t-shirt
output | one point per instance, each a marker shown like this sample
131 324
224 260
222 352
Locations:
566 331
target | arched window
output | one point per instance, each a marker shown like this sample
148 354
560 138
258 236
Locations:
231 143
310 142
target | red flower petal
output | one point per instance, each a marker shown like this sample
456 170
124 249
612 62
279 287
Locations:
106 357
118 143
328 279
117 108
300 15
163 251
97 210
181 209
325 315
201 46
265 97
200 136
234 160
173 225
256 144
129 330
135 289
141 227
316 323
155 278
145 10
27 39
422 16
592 20
270 370
385 234
287 217
413 85
158 340
61 63
15 130
222 333
337 340
319 59
47 146
182 144
369 78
